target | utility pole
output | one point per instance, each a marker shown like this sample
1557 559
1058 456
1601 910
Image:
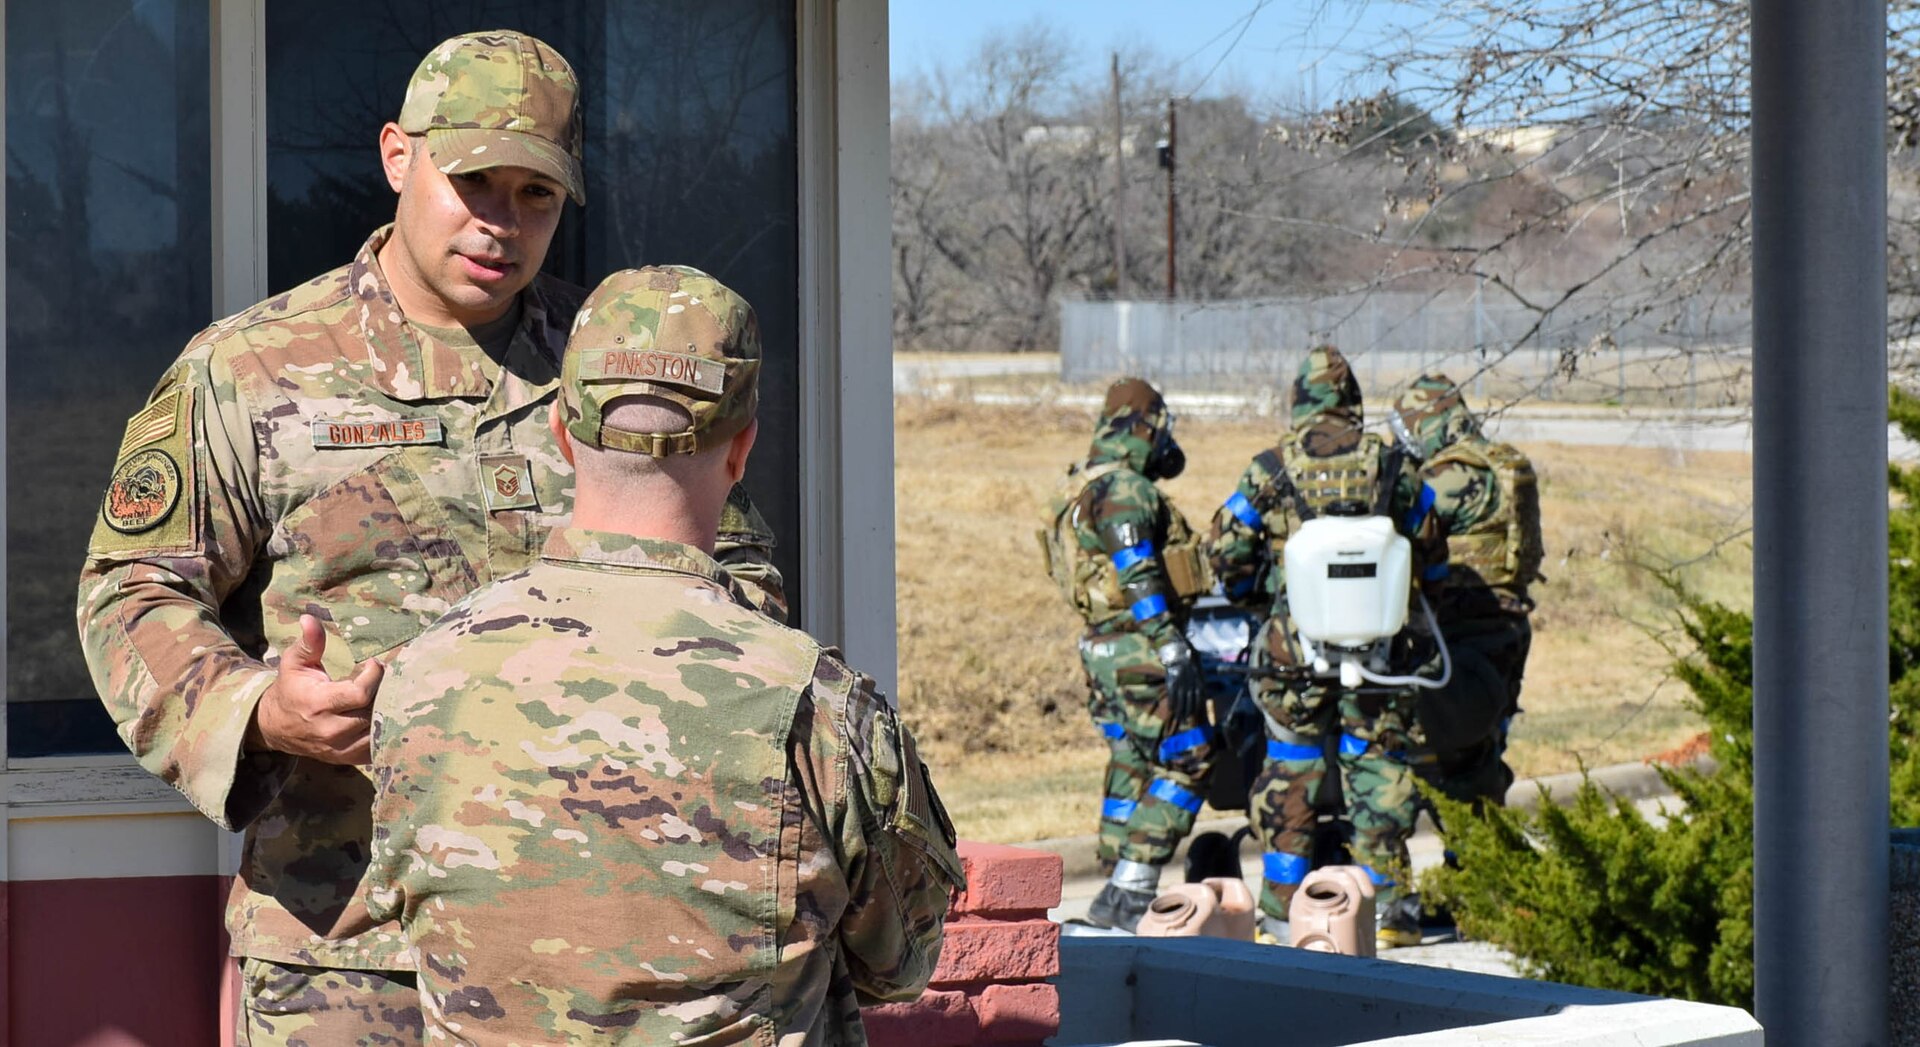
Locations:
1119 188
1168 146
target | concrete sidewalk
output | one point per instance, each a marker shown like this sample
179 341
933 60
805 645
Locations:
1638 782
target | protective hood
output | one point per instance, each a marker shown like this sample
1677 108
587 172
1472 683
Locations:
1431 416
1135 427
1325 391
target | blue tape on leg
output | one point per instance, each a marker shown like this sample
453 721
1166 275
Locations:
1351 746
1283 868
1378 880
1175 794
1118 810
1112 731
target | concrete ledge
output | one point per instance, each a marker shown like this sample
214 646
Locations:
1119 989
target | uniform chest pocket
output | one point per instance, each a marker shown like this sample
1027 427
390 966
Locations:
375 552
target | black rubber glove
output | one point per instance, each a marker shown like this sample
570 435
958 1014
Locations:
1186 689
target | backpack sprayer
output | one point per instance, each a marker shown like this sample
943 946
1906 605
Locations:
1347 583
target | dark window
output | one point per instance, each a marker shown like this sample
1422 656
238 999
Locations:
691 158
108 266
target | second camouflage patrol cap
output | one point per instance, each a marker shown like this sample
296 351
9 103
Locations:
498 99
671 332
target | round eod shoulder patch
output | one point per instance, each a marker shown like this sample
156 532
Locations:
143 492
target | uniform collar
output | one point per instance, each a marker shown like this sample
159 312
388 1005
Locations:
410 365
579 547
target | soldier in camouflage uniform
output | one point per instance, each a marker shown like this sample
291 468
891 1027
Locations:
312 483
1327 464
618 806
1128 562
1487 498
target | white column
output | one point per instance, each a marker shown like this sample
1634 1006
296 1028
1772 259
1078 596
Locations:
846 365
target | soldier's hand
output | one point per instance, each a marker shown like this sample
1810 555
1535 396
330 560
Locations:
307 713
1186 689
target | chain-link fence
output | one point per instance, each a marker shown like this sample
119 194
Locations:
1691 354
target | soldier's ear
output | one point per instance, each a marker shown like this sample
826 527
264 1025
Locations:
737 450
396 154
557 425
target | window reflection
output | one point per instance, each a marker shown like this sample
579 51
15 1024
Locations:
691 157
108 268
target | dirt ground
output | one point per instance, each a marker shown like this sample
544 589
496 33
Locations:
990 682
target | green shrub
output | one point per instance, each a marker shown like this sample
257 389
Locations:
1595 894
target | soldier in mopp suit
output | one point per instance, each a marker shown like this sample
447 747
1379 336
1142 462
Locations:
618 805
1486 496
1127 561
312 483
1327 465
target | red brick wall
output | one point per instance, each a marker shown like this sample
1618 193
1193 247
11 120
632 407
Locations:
990 987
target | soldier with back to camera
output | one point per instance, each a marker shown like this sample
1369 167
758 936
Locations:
1338 720
616 804
1487 497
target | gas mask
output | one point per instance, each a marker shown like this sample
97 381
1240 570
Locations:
1165 460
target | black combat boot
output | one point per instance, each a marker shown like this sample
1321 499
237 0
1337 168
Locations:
1118 907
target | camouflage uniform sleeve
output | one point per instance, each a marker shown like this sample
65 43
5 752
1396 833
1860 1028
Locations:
745 548
1237 545
172 677
1125 526
1413 509
894 840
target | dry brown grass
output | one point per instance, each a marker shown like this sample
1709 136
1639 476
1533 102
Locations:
990 682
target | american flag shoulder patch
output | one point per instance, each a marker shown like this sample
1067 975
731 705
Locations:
157 421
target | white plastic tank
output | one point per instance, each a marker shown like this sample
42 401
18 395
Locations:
1347 579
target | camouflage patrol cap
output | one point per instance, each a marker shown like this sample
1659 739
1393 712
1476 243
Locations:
1325 386
498 99
1431 415
671 332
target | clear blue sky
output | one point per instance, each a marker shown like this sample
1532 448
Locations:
1291 48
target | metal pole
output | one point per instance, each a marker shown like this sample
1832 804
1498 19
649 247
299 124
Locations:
1173 202
1820 521
1119 188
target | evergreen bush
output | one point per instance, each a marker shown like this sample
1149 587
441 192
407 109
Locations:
1595 894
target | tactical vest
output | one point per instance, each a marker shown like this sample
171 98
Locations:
1505 547
1087 577
1316 485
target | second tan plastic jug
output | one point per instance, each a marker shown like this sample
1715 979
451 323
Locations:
1221 907
1333 911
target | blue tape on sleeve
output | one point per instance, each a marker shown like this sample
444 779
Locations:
1244 511
1118 810
1185 742
1173 793
1149 607
1418 513
1435 572
1351 746
1378 880
1113 731
1131 555
1277 750
1283 868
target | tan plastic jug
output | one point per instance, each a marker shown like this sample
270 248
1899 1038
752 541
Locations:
1333 911
1221 907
